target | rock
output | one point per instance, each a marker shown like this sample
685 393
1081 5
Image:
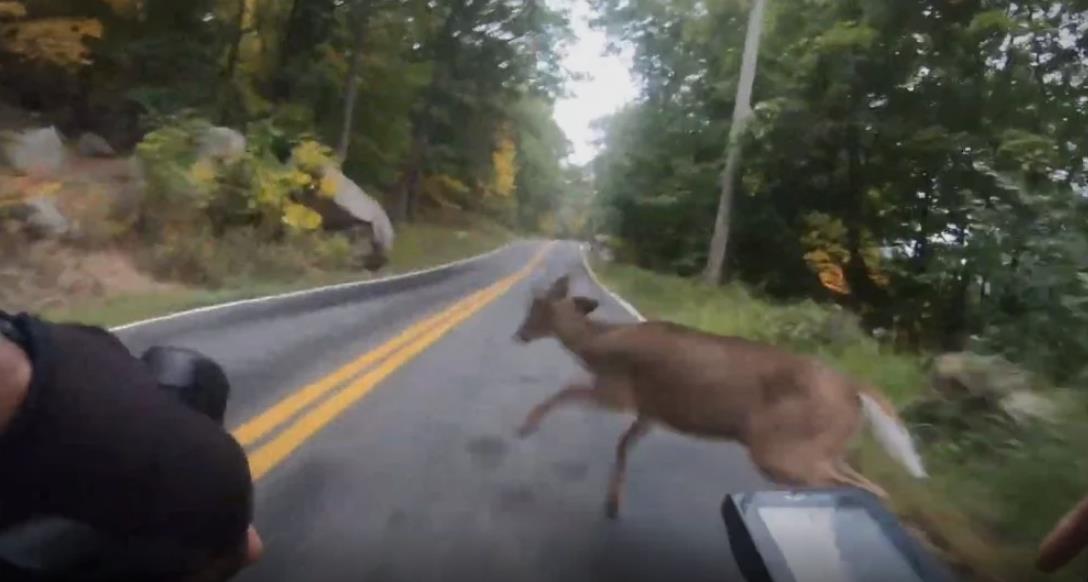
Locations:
35 152
92 145
1024 406
991 377
45 219
354 201
222 143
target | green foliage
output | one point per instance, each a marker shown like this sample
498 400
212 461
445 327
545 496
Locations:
437 82
253 189
897 125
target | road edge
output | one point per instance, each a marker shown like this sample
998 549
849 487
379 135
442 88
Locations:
312 291
625 304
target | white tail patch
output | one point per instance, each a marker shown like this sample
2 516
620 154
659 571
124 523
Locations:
893 436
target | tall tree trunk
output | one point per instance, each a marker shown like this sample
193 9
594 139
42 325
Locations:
742 112
361 16
444 54
227 97
407 198
286 50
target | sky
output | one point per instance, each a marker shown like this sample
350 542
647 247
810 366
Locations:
608 87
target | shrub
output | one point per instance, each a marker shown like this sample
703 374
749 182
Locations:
257 189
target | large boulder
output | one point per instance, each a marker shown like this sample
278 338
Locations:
350 210
221 143
977 394
92 145
360 206
44 218
34 152
966 374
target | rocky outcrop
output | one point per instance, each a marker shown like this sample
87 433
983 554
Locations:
34 152
92 145
221 143
351 210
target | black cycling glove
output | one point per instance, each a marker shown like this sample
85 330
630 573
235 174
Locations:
98 442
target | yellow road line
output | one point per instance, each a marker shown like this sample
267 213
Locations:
291 438
261 425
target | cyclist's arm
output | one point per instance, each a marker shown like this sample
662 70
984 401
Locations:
95 440
14 380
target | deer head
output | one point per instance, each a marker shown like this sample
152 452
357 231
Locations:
549 307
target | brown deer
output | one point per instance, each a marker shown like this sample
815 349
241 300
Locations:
795 415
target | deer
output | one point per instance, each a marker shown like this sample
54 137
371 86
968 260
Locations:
795 415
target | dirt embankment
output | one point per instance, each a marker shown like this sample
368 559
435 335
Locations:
45 275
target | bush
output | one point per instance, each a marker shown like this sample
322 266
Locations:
257 189
208 221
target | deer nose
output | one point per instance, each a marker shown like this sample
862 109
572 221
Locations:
519 336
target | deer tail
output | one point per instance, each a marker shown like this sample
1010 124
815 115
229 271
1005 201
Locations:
891 433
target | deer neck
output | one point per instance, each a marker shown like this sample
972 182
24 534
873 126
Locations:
575 332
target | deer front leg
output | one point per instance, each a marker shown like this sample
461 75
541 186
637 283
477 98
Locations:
636 431
575 393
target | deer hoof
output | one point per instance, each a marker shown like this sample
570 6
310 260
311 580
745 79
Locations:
612 509
528 428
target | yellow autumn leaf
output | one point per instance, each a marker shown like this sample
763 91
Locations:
203 172
329 186
300 217
56 41
834 279
310 156
505 168
297 179
12 10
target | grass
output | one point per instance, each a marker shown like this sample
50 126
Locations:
424 245
418 246
985 512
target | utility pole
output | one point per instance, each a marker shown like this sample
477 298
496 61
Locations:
742 113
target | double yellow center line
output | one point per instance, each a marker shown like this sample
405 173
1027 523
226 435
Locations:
356 379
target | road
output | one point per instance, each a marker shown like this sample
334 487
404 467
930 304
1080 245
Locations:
410 469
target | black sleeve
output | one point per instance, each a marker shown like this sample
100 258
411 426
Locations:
97 441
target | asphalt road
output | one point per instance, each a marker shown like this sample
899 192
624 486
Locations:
420 476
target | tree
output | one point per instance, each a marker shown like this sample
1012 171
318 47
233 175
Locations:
742 111
875 156
360 15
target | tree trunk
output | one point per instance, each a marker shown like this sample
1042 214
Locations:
408 187
361 16
742 111
233 54
282 83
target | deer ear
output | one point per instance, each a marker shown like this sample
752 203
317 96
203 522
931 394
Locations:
586 305
560 288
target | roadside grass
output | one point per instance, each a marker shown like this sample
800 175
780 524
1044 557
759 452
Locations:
984 511
426 244
419 245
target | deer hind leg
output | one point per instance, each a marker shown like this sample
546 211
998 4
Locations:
803 467
844 474
634 433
